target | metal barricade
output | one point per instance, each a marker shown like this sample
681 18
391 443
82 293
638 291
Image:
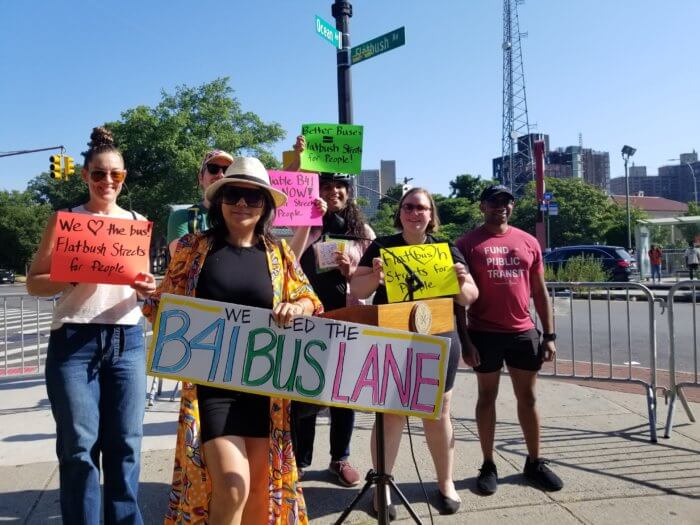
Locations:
609 303
691 378
25 324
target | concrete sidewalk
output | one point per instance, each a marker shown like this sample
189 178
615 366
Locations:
597 441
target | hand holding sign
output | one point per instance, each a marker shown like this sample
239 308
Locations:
100 250
432 263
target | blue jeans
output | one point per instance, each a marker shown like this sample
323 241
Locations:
96 382
656 271
304 432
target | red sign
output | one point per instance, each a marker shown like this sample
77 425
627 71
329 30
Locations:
99 249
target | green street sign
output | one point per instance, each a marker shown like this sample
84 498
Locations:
378 45
328 32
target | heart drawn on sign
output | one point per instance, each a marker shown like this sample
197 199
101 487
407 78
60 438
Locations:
95 225
422 253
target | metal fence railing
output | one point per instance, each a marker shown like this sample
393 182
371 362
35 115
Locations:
677 344
601 336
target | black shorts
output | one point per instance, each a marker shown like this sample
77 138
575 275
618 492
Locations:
228 413
452 358
521 350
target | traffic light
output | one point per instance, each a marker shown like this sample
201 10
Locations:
68 166
55 166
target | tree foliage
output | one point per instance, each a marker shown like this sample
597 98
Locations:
468 187
22 222
163 147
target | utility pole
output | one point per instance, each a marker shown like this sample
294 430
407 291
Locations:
342 11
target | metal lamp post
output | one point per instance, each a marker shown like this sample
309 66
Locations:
627 152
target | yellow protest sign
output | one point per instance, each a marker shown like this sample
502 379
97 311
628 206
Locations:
432 263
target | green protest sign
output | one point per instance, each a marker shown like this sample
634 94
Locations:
335 148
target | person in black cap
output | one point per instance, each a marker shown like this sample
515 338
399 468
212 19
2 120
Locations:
341 216
507 266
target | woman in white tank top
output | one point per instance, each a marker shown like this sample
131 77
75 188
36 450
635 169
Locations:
95 365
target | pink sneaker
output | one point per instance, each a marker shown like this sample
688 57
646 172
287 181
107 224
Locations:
346 473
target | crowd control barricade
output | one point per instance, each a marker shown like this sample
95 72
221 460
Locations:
602 335
25 324
681 346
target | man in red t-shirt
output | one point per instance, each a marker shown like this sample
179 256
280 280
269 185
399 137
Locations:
506 264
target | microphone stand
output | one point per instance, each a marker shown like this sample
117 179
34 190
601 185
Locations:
379 477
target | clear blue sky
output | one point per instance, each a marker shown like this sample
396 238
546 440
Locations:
617 71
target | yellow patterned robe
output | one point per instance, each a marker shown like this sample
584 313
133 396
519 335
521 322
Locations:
191 487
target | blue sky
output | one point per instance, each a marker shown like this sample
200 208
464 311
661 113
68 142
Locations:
617 71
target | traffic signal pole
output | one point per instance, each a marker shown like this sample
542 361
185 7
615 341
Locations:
26 151
342 11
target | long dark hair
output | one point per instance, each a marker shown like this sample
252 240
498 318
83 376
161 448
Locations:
350 220
263 229
434 222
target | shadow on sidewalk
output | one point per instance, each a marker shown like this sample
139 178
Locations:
625 454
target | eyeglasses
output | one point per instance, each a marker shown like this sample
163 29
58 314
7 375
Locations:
118 176
232 195
410 208
214 169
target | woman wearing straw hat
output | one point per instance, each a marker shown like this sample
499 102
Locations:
233 460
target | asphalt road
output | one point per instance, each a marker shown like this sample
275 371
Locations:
601 330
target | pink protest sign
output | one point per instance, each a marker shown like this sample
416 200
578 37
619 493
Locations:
302 191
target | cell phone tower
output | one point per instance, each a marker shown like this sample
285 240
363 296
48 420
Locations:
516 141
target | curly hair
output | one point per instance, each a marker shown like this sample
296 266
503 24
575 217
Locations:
101 141
217 225
351 215
434 223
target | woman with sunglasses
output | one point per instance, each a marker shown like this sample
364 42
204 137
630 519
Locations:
234 462
341 216
417 220
95 363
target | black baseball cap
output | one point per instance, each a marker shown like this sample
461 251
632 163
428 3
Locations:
495 189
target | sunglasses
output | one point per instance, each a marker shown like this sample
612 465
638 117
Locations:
497 202
118 176
214 169
232 195
409 208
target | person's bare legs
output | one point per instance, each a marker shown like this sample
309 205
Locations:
393 430
439 435
524 389
486 410
257 507
227 465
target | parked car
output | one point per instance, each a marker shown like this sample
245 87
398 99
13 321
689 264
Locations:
7 276
615 260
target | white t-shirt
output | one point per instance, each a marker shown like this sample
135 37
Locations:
692 255
87 303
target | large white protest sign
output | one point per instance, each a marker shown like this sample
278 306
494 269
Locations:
316 360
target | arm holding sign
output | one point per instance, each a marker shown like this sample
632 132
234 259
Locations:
38 282
299 147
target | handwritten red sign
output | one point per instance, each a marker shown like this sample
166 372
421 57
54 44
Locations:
99 249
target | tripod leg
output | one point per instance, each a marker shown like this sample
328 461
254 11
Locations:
405 502
371 480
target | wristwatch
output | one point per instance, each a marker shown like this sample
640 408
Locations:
549 337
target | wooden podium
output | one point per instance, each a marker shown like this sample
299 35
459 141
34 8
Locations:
429 316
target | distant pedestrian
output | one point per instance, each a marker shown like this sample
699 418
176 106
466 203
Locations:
507 267
655 255
692 258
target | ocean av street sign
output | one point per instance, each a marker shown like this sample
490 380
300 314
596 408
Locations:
376 46
328 32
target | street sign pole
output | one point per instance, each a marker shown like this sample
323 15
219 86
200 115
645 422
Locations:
342 11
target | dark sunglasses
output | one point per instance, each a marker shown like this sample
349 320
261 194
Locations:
497 202
99 175
409 208
214 169
232 195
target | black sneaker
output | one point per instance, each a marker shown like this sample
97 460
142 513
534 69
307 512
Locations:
539 474
487 480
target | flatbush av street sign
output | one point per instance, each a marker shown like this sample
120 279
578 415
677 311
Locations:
378 45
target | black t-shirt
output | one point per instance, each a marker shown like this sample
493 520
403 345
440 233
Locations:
238 275
392 241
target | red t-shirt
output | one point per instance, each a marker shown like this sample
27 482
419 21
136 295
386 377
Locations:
502 266
655 256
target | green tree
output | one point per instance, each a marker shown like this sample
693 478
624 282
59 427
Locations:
22 222
468 187
59 194
163 147
691 232
457 215
383 222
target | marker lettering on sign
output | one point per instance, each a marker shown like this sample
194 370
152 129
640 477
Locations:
420 380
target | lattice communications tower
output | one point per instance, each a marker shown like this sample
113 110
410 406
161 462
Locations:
516 141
